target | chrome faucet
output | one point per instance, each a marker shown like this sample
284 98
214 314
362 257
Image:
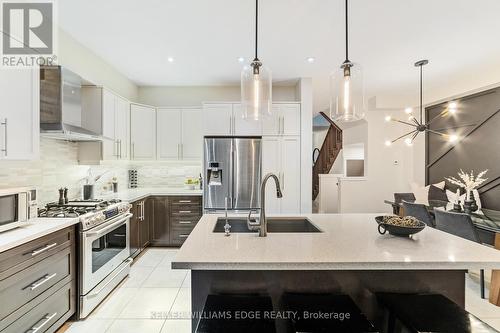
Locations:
261 223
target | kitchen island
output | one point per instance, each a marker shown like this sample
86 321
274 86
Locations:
348 256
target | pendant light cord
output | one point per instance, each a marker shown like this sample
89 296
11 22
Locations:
256 26
421 93
346 33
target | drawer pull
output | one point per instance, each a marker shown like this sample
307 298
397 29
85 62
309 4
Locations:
42 249
46 319
184 222
184 201
183 236
42 281
185 211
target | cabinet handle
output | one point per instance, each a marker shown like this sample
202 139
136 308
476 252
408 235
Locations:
4 123
42 281
184 201
184 222
230 124
283 125
142 205
283 180
183 235
45 319
42 249
184 211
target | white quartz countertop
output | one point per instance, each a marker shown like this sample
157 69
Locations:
37 228
348 242
139 193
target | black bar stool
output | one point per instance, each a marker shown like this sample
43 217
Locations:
428 313
326 313
236 313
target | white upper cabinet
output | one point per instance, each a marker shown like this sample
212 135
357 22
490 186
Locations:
227 120
19 114
108 114
122 127
281 156
192 134
285 120
245 127
180 134
169 133
142 132
218 119
290 115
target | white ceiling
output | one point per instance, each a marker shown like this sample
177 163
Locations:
459 37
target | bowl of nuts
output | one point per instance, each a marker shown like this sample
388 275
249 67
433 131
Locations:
399 226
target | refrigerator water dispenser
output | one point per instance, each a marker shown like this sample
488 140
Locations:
214 174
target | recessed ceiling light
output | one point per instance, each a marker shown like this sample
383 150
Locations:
170 59
241 59
310 60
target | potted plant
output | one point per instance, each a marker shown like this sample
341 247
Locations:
470 183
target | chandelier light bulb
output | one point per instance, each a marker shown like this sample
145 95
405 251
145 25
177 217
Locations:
408 141
388 118
408 110
453 138
388 143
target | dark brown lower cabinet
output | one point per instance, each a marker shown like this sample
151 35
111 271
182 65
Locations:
145 225
174 218
160 235
135 220
38 288
140 226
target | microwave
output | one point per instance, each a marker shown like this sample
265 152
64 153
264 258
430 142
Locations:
17 207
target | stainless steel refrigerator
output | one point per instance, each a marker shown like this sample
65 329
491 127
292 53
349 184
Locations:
232 167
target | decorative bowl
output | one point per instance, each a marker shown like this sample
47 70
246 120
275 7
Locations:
399 226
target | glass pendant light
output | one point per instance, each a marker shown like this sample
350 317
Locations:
256 84
346 84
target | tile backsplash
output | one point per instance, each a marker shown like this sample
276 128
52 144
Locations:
58 167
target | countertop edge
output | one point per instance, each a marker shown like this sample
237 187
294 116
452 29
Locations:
54 227
335 266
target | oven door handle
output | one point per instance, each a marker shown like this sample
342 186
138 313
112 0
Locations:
97 292
105 229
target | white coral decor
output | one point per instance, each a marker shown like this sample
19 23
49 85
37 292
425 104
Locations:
468 181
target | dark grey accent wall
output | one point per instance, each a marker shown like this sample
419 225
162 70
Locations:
477 122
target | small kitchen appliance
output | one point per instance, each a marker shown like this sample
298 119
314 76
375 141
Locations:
17 207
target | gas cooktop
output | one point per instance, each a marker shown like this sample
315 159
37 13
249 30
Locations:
76 208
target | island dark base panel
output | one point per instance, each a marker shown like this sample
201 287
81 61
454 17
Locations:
361 286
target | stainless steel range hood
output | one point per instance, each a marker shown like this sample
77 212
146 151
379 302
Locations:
61 106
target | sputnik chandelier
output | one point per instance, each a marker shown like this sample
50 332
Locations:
418 125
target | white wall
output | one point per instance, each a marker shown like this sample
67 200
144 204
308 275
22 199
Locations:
196 95
87 64
382 176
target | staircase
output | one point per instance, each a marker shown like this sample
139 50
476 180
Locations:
328 153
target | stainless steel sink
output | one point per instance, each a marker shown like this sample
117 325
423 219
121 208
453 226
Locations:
274 224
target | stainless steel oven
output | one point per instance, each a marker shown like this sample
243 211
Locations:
104 262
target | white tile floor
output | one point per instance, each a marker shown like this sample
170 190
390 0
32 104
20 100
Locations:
157 299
